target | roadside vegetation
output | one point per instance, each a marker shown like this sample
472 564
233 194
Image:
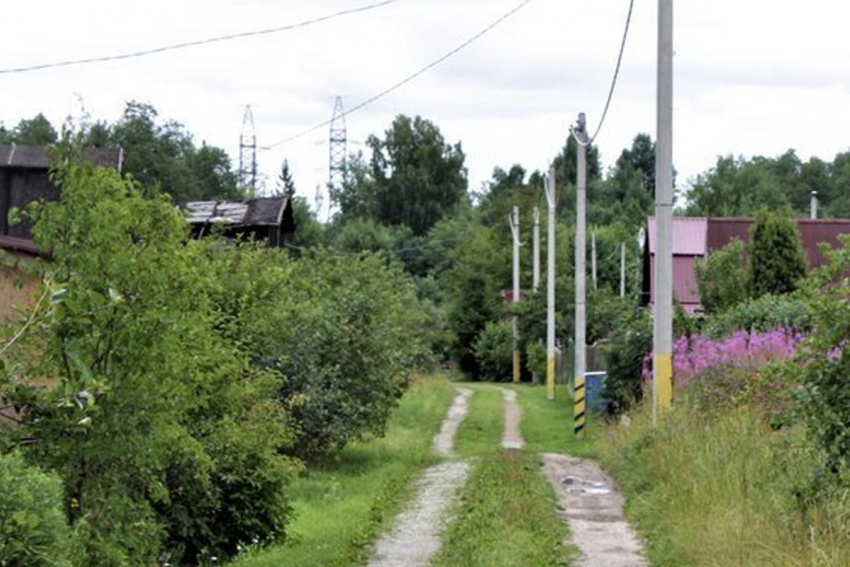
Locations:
186 402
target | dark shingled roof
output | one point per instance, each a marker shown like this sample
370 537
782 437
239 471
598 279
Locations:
261 211
36 157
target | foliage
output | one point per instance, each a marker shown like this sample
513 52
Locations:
761 315
414 178
776 257
343 505
718 489
33 528
36 131
624 356
494 350
130 340
721 278
342 336
285 185
721 371
825 361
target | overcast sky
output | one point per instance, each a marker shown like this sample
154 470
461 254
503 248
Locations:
752 77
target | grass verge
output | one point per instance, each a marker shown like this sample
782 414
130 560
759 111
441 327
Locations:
342 506
547 425
723 490
506 513
506 517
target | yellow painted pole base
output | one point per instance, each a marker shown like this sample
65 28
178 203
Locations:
550 378
663 383
516 366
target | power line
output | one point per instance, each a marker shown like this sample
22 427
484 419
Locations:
196 43
616 73
407 79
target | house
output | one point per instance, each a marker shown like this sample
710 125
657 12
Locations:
694 238
267 219
25 178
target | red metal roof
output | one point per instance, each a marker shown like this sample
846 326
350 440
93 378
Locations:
689 236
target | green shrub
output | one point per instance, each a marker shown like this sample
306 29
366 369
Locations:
624 356
722 278
494 350
33 528
761 315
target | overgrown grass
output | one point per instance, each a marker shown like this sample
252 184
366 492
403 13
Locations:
547 425
480 433
506 517
724 490
506 513
342 506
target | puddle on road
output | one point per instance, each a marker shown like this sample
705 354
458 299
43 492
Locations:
582 486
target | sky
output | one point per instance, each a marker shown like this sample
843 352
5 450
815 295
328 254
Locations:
751 77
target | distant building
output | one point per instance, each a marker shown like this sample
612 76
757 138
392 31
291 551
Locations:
267 219
24 178
694 238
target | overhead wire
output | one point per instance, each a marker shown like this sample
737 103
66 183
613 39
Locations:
195 43
614 78
404 81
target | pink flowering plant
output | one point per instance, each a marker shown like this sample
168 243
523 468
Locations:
718 370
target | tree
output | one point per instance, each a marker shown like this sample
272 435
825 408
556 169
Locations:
776 257
285 186
163 157
722 278
36 131
413 178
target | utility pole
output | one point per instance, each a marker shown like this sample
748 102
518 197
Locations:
593 258
514 220
813 213
662 368
551 199
579 402
535 284
622 269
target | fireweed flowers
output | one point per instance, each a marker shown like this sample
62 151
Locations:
696 358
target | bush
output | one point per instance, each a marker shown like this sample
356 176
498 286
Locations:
624 357
721 278
762 315
494 351
33 528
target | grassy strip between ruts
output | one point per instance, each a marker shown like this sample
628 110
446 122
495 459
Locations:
506 514
343 506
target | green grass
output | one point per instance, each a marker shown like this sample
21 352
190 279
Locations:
718 490
506 513
480 433
547 425
342 506
506 517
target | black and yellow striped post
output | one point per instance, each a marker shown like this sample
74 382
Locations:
579 406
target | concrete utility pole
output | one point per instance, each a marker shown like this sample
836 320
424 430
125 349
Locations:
593 258
622 269
813 213
551 199
579 403
535 283
662 368
514 219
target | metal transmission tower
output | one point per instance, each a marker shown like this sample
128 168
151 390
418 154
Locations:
248 153
338 142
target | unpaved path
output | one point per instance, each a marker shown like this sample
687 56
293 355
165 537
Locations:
593 508
511 438
416 535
